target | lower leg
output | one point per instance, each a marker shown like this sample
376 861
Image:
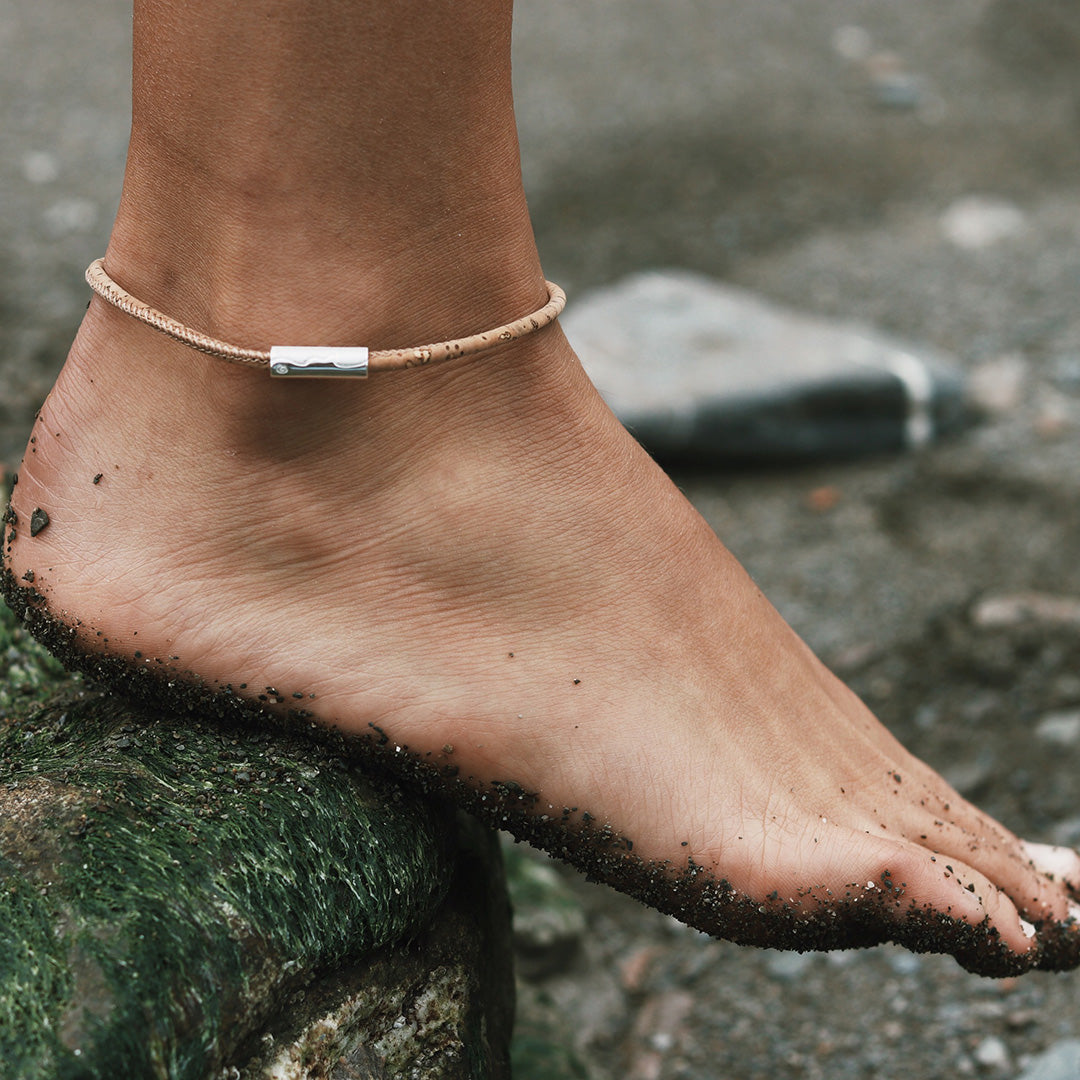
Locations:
475 559
295 171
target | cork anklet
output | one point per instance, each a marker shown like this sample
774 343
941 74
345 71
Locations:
324 361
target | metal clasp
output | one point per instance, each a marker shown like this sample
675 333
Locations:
318 361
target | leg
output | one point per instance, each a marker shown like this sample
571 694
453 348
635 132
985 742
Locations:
475 560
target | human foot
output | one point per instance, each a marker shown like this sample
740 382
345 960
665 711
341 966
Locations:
476 571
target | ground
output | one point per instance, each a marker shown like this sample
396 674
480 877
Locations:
808 152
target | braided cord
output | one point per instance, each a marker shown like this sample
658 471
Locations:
378 360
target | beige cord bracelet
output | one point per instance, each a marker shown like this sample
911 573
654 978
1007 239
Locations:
318 360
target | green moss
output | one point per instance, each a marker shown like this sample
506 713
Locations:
35 978
28 674
165 882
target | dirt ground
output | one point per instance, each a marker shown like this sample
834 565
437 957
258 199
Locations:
811 151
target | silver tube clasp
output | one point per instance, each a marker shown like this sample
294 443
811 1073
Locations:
319 361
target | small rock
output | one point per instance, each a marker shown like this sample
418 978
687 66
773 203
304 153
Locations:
39 520
40 167
854 657
991 1053
822 499
997 612
1060 1062
1059 728
852 43
997 386
1054 416
975 222
1021 1019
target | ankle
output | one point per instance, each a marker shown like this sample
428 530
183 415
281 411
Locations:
122 372
273 268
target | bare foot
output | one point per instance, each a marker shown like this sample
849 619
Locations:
476 563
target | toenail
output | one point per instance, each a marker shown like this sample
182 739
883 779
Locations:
1028 928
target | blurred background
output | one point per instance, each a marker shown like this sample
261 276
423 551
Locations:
910 167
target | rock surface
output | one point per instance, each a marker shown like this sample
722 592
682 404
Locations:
1060 1062
703 371
179 898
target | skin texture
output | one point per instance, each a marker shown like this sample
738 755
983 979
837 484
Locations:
474 569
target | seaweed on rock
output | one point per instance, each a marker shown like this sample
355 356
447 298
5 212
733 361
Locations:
167 883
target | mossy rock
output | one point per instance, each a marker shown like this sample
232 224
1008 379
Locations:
185 900
28 674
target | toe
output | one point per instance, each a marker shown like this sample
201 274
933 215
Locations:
1058 864
1000 859
1038 878
892 889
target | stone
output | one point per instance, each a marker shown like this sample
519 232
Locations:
39 520
1059 728
991 1053
996 387
704 371
439 1005
161 915
1060 1062
975 222
1014 609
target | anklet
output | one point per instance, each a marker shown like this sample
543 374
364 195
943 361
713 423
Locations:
319 360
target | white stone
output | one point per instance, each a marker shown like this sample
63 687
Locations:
1059 728
995 612
992 1053
975 222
